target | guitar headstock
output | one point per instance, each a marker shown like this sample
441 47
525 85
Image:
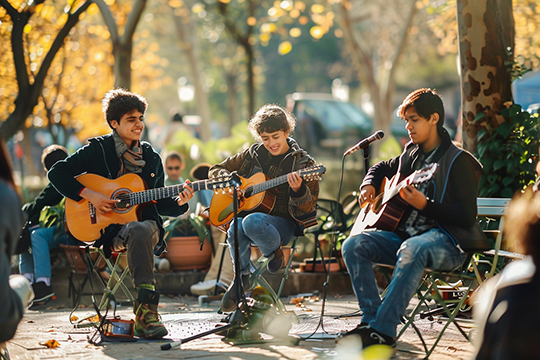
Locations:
425 173
312 173
219 183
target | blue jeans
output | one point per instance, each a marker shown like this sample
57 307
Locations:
432 249
38 261
268 232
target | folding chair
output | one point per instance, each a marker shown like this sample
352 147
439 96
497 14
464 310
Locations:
258 268
118 268
451 299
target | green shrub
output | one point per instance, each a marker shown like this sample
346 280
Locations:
508 153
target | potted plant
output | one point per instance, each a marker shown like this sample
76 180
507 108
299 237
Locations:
186 248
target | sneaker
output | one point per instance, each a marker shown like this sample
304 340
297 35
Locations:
229 300
203 287
355 331
148 322
371 337
276 262
42 292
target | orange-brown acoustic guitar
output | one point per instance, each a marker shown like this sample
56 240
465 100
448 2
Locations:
85 223
253 196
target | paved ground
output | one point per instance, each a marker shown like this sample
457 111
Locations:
184 317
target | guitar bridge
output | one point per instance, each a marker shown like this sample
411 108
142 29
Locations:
92 212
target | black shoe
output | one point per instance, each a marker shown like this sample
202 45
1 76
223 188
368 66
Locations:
42 292
277 262
229 300
355 331
371 336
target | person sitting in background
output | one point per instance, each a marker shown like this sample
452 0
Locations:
506 306
15 289
174 165
35 263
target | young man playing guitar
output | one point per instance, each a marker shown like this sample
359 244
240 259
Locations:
111 156
275 155
421 238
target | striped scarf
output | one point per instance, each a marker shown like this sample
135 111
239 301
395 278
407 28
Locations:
131 160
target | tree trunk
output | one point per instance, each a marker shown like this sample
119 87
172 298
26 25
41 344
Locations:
486 44
188 45
232 101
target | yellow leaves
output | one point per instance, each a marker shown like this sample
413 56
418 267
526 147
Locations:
176 3
295 32
251 21
284 48
225 1
197 8
317 8
47 12
27 29
316 32
294 13
154 47
303 20
92 9
268 28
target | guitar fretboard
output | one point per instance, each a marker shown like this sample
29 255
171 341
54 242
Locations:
145 196
258 188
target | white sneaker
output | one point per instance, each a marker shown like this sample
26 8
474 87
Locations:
203 287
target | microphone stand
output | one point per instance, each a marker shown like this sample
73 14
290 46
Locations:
238 320
367 155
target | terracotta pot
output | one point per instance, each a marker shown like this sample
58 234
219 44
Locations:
184 253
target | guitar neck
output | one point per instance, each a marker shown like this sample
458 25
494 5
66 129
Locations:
258 188
145 196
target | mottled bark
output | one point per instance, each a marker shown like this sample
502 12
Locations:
486 43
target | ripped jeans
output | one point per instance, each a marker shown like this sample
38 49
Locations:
432 249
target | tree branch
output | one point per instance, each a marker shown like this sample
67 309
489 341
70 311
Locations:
133 20
108 19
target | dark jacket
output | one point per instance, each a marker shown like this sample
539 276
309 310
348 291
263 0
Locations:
99 157
453 190
11 222
49 196
299 207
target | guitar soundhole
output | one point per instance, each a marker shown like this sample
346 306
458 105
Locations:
123 206
376 207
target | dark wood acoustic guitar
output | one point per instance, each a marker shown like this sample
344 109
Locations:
385 211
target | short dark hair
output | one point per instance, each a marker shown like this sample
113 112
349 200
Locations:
426 102
174 155
271 118
118 102
51 154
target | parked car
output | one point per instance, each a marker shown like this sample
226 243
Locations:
328 126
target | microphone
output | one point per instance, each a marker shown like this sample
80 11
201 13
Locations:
378 135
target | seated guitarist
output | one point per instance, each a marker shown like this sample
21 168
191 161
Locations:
112 156
418 241
276 154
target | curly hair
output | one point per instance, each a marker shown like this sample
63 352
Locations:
426 102
118 102
271 118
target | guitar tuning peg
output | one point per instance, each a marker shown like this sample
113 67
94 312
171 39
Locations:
230 190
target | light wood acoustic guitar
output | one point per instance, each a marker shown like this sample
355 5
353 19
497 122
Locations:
253 196
385 211
85 223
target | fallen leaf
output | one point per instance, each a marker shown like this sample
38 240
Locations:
51 344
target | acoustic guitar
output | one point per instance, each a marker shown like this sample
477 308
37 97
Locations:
253 196
385 211
85 223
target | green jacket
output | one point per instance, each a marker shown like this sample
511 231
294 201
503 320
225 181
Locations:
299 207
99 157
